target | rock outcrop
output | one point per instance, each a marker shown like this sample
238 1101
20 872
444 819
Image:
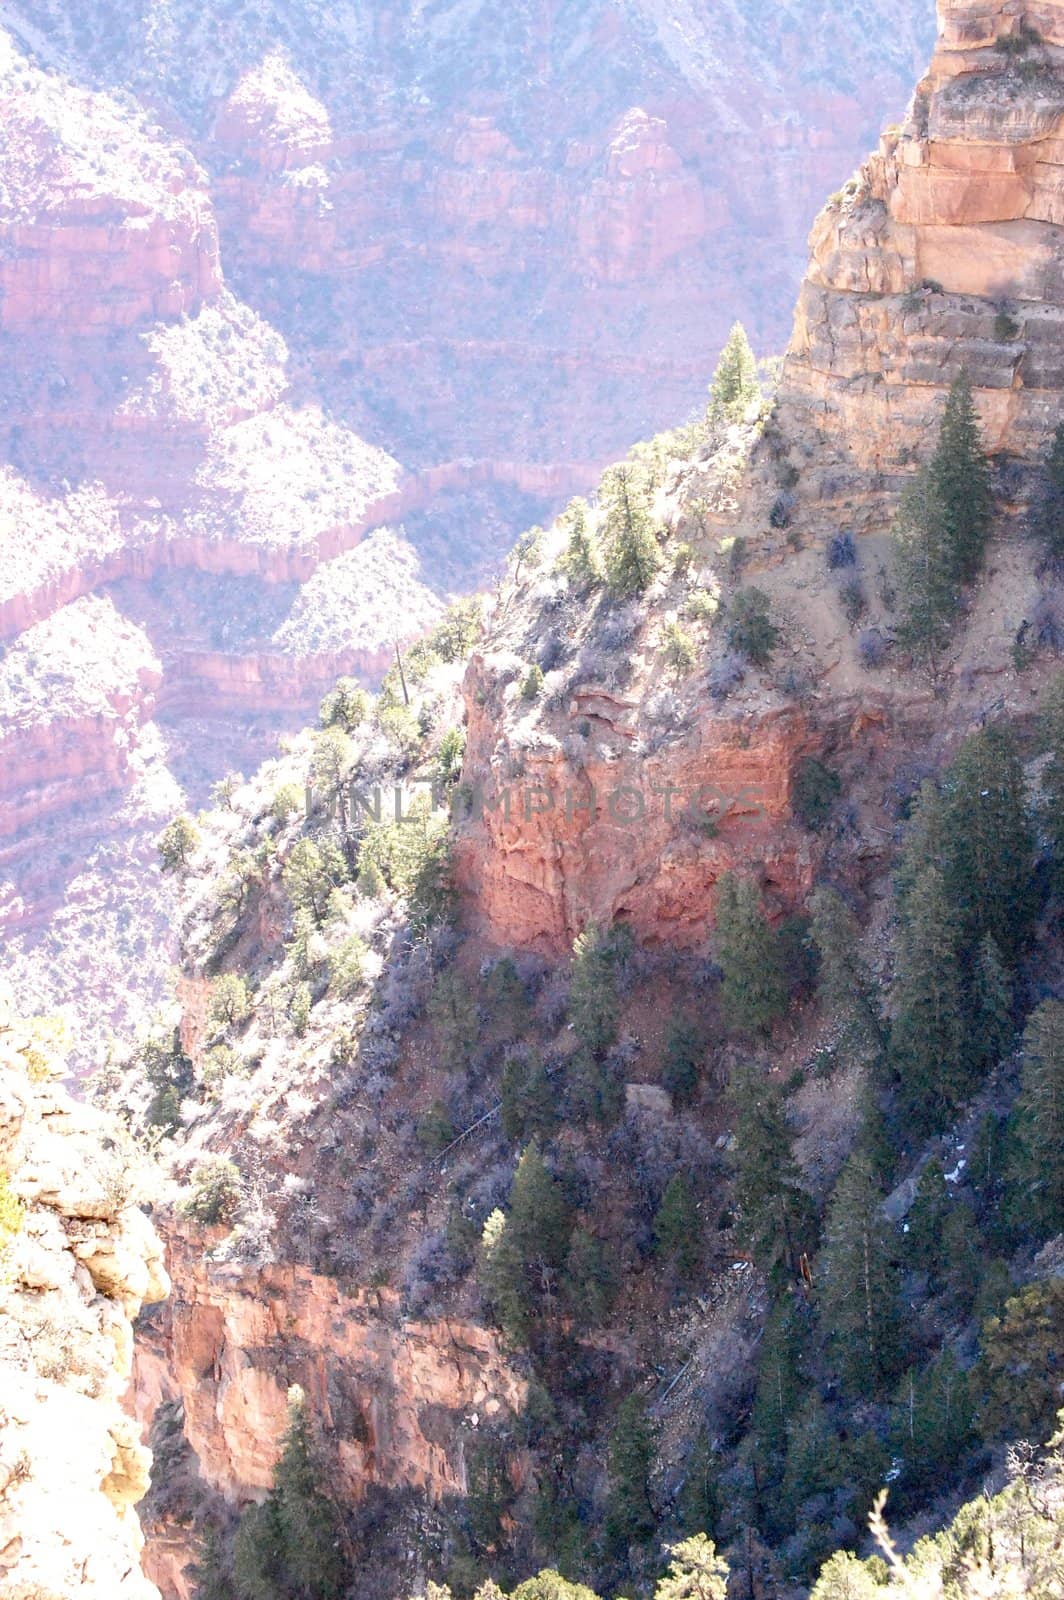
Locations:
945 252
79 1259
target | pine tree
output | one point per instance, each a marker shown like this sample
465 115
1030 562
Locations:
846 987
927 1038
845 1577
208 1573
630 1457
1052 816
679 1070
632 556
580 560
927 583
677 1227
858 1283
779 1384
960 472
696 1572
589 1284
734 387
593 1002
1037 1168
523 1252
927 1218
932 1422
1049 514
925 843
753 992
776 1216
989 857
990 1030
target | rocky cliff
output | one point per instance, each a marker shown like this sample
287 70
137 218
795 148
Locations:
79 1259
943 253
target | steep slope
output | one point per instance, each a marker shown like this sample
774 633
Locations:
79 1258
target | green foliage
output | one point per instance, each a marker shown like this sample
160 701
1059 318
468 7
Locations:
413 857
169 1073
401 728
215 1191
347 967
448 764
942 525
307 880
927 1038
776 1216
734 387
858 1284
677 1227
11 1215
696 1572
523 1251
289 1547
630 549
750 629
593 1002
453 1015
679 1068
550 1585
1052 814
581 559
814 790
844 1577
932 1423
677 649
1020 1361
230 1002
1049 513
300 1006
178 843
753 992
989 858
630 1453
845 986
532 683
1037 1165
286 802
991 1031
589 1283
528 1100
345 707
458 631
779 1384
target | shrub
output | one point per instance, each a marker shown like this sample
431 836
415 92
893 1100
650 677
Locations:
842 552
230 1001
11 1213
677 649
456 634
853 600
782 510
751 630
726 674
346 965
622 623
1005 327
177 844
346 706
814 790
299 1008
532 683
1047 621
286 802
873 648
214 1191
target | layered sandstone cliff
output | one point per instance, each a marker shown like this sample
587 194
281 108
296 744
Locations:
79 1258
944 252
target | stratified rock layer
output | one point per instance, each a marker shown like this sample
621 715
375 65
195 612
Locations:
945 252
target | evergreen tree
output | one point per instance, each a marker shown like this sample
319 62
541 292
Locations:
677 1227
1037 1168
779 1384
927 1218
734 387
453 1015
696 1572
208 1572
630 1457
632 557
700 1499
858 1283
178 843
927 1038
593 1004
924 845
1049 514
1052 816
580 560
289 1547
523 1252
844 1577
589 1284
776 1216
679 1070
846 987
960 472
816 1463
753 992
932 1422
927 584
528 1100
989 859
1019 1371
991 1030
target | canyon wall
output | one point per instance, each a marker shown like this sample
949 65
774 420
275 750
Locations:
79 1258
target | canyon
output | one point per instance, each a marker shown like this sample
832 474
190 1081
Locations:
251 314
